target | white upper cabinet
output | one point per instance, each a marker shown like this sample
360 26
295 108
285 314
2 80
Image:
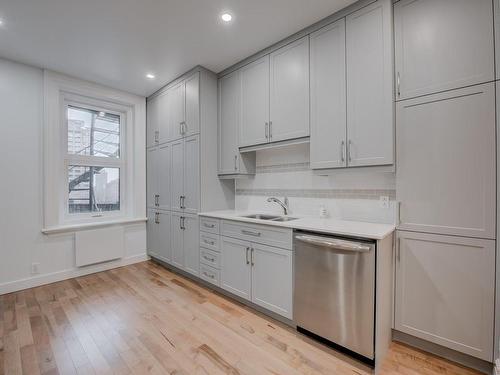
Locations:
176 111
445 178
328 97
289 88
442 45
370 119
163 102
192 105
229 116
445 291
254 114
162 172
191 194
152 125
177 175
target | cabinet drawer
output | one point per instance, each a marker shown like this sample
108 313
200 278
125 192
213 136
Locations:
210 241
210 274
210 258
210 225
264 234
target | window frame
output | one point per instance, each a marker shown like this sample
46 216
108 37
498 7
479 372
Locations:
74 100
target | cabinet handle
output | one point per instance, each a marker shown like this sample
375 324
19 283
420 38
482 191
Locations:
342 151
246 255
183 223
349 151
183 201
235 162
208 275
208 225
270 130
157 218
399 212
157 200
209 259
398 84
157 136
251 257
267 130
209 242
250 233
182 130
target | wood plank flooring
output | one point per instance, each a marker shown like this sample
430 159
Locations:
144 319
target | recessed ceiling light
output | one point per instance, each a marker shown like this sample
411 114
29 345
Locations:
1 22
150 76
226 17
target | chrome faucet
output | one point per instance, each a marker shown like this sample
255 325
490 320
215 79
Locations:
284 205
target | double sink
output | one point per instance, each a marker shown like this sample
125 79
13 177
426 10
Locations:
270 217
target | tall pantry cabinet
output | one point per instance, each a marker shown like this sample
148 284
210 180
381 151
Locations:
445 173
181 158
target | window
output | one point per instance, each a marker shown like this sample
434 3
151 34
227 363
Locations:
94 161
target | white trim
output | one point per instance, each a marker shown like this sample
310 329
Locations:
77 227
30 282
58 88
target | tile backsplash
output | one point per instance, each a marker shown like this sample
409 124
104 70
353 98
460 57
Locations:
350 194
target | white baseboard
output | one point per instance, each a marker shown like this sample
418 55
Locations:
30 282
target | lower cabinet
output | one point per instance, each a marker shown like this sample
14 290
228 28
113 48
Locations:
158 235
259 273
444 291
185 242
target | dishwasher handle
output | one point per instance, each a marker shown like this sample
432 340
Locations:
334 243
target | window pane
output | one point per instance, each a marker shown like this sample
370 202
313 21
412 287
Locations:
93 133
93 189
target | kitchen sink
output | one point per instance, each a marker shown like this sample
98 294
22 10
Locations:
270 217
262 217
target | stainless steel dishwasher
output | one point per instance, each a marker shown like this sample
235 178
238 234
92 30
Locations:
334 292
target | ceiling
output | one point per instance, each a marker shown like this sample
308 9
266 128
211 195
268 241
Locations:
117 42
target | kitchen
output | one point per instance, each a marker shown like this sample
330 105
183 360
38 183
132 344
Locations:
325 203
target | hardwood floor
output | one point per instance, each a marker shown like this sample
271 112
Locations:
144 319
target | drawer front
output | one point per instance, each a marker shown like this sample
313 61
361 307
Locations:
210 225
210 241
264 234
210 274
210 258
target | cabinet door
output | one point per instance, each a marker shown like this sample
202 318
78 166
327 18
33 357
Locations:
152 176
370 123
289 101
191 244
177 240
235 267
445 291
445 176
176 110
163 104
164 238
163 170
229 116
272 279
328 97
191 200
442 45
152 234
192 103
152 127
177 175
254 103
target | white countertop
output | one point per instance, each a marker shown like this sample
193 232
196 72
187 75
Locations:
329 226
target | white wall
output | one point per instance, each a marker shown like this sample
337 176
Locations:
350 194
21 240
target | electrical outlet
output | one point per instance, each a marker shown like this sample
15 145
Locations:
34 268
384 201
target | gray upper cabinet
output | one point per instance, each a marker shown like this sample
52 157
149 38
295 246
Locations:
370 107
254 114
175 108
231 162
442 45
328 97
289 88
445 178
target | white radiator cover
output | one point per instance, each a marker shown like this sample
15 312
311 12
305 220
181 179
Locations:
99 245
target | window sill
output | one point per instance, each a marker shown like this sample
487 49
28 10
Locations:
78 227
